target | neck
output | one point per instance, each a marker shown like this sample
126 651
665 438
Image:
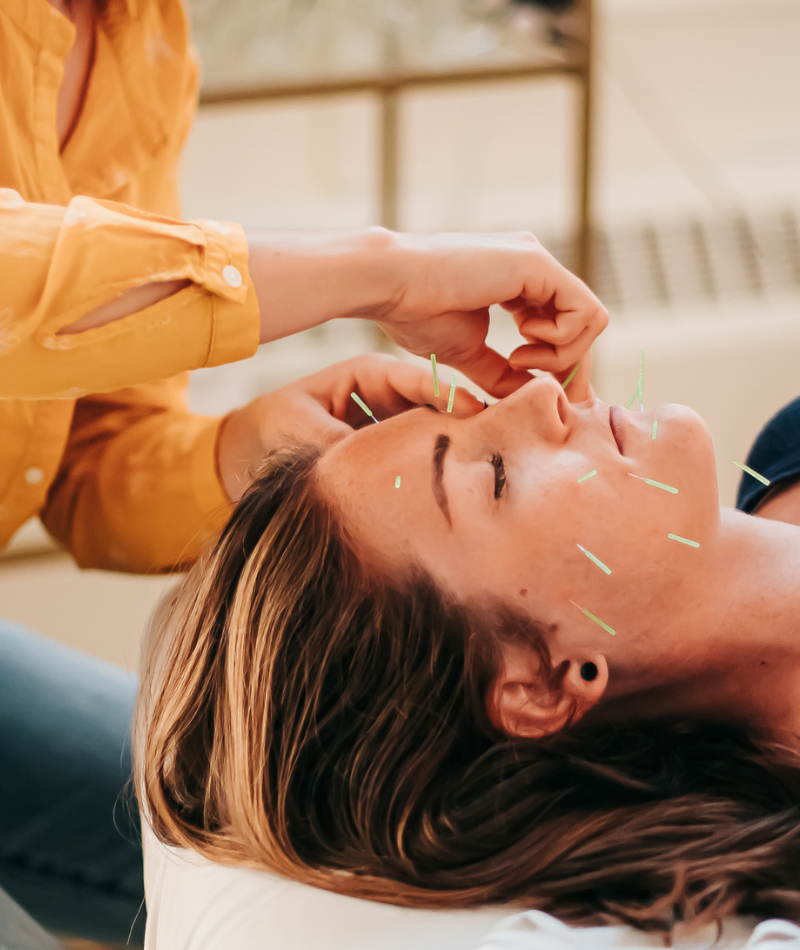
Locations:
736 635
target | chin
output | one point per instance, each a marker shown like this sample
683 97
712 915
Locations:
691 447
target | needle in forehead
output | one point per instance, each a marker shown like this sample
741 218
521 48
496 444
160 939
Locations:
440 447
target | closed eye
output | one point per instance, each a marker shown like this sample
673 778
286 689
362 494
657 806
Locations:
499 474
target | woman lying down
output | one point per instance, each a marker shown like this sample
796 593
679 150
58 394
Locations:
515 655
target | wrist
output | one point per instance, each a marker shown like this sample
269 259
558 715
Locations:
239 448
305 279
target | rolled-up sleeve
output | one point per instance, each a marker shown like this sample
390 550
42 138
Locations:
57 264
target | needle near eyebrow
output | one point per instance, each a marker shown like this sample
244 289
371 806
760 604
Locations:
357 399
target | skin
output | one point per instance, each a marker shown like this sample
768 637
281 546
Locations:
77 66
699 632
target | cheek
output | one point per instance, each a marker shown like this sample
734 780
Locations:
530 556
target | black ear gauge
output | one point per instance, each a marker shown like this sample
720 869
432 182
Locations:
589 672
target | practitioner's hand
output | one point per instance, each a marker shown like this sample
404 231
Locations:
578 388
544 332
451 280
319 409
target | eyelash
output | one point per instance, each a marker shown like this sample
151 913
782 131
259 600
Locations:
499 474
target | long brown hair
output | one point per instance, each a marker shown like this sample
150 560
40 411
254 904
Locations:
300 715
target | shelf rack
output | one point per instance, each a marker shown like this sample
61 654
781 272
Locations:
576 63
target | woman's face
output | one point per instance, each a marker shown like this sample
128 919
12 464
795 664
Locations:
497 506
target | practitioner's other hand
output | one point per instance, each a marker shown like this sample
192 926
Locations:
451 280
319 409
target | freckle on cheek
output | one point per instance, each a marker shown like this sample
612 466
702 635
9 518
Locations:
523 592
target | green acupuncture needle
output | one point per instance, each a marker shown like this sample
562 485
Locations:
435 375
397 482
655 484
654 433
595 560
640 384
629 403
746 468
452 393
677 537
587 475
363 405
595 619
571 376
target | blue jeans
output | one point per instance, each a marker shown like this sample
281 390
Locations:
18 931
70 852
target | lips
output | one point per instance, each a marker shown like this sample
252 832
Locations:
615 420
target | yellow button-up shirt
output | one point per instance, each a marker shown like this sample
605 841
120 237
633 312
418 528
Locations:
95 434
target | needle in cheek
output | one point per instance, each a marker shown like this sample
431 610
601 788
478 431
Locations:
677 537
594 619
595 560
655 484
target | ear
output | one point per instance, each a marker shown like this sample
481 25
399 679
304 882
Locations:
521 702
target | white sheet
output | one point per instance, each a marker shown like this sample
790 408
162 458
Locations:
534 930
193 904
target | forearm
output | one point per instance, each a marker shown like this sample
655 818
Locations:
302 279
306 278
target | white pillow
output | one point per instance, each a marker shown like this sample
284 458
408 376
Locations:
193 904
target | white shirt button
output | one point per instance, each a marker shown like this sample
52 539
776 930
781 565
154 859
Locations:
33 476
232 276
10 198
73 216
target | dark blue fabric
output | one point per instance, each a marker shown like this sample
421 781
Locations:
775 455
69 838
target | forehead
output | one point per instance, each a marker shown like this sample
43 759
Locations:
363 456
359 476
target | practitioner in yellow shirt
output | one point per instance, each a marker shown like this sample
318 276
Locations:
107 298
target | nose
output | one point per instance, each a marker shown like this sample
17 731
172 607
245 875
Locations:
540 405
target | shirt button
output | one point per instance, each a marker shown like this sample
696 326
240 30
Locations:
231 276
33 476
10 198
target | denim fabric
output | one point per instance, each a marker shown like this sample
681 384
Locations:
69 837
18 931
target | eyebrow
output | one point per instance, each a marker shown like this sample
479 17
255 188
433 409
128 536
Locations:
440 448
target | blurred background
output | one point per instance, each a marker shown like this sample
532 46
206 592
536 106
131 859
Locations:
654 145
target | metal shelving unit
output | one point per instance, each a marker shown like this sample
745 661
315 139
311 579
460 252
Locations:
574 62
